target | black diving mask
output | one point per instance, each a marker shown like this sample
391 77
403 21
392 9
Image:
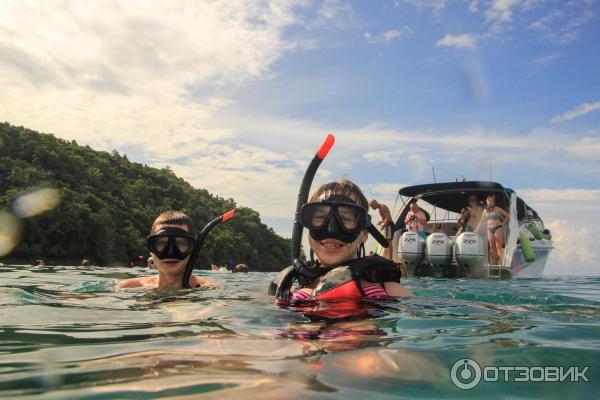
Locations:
171 243
335 218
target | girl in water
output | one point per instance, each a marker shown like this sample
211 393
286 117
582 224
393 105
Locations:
496 217
171 245
336 216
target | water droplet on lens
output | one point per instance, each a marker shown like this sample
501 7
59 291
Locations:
36 202
10 233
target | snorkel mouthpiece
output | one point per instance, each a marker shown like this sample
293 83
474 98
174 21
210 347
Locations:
200 242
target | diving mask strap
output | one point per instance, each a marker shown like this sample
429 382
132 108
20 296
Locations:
378 236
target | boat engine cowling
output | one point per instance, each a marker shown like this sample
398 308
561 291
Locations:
469 249
438 250
411 249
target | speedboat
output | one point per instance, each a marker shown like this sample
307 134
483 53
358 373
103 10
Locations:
444 250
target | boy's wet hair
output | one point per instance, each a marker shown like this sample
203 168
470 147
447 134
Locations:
172 217
343 187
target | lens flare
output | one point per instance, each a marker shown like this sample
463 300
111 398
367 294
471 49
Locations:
36 202
10 233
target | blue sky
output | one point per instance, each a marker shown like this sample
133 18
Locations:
236 95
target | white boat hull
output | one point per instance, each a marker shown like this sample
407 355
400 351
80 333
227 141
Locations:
522 269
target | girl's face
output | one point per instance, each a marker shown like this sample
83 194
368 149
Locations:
334 252
490 202
167 265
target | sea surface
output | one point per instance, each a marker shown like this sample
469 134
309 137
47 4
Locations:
67 333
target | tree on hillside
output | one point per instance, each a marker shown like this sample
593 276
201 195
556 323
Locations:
109 203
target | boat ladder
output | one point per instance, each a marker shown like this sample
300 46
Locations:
498 272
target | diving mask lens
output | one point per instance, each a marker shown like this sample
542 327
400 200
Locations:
350 217
160 243
173 243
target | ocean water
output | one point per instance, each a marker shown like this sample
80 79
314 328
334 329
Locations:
67 333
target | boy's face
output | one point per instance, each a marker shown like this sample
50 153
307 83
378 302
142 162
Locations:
171 265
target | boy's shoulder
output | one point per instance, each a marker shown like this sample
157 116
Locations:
137 282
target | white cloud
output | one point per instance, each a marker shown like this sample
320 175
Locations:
334 8
131 73
572 217
564 26
254 177
546 60
474 6
382 156
383 188
577 112
436 6
466 41
336 13
388 36
587 147
501 11
391 35
566 195
575 251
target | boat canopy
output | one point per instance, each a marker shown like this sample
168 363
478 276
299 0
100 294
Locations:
453 196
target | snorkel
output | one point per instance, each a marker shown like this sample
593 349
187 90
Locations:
304 270
300 265
200 242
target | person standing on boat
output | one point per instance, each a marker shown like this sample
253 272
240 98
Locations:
470 217
416 220
387 223
495 218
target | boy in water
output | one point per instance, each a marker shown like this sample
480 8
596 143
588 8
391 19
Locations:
171 244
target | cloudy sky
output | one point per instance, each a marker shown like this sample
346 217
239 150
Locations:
237 95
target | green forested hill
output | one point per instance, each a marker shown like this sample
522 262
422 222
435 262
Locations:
109 203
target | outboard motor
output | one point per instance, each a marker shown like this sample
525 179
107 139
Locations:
438 251
411 251
469 251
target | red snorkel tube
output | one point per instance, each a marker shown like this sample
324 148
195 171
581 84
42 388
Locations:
200 242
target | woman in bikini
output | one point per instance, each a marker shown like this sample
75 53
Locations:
496 217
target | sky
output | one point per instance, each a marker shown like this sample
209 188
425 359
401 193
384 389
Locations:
236 96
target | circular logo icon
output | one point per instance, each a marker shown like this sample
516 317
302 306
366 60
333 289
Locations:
465 373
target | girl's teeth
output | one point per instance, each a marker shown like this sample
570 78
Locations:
330 245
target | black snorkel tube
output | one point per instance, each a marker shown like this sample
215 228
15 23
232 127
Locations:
299 265
200 242
303 270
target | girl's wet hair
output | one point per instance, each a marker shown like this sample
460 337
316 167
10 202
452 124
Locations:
343 187
172 217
